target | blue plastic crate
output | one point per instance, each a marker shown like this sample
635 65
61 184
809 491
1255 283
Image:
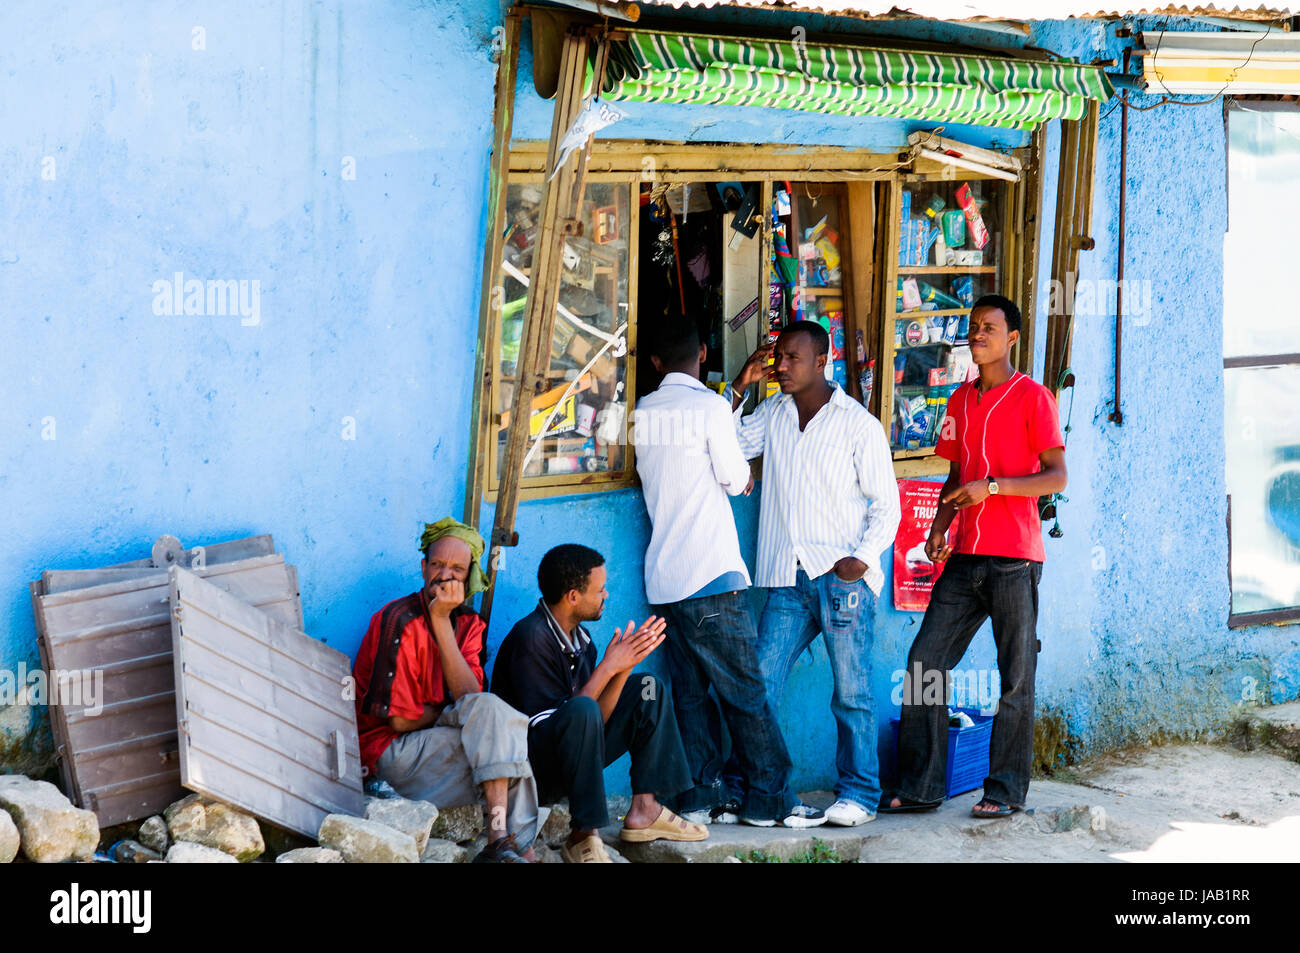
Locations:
968 752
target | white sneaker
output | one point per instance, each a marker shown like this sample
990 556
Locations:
702 816
801 815
845 813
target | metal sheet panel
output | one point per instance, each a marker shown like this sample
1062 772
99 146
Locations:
122 761
267 723
64 580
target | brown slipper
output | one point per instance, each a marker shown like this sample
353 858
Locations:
667 826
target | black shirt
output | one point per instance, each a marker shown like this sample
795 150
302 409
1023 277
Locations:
535 670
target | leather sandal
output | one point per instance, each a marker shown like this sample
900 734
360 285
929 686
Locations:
667 826
589 850
503 850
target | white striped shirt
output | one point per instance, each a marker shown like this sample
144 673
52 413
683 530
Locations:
828 491
689 462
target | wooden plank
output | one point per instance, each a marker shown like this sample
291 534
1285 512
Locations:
257 703
561 204
483 442
1031 222
886 295
121 762
707 160
861 314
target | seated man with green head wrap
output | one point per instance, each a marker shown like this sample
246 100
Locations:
427 727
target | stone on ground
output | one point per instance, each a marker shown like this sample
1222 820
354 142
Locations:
555 831
201 820
410 817
153 834
50 828
9 840
438 851
458 824
366 842
310 855
187 852
133 852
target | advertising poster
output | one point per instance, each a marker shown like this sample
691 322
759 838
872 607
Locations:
914 574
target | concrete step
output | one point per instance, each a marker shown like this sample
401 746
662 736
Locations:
1276 727
948 833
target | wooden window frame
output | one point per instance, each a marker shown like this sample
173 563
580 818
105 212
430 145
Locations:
877 174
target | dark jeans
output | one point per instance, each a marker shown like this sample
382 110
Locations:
712 641
972 589
570 750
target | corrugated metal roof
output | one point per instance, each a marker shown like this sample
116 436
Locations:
986 9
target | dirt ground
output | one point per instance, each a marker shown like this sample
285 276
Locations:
1200 803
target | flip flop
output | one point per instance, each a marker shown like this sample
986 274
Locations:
667 826
1003 810
906 805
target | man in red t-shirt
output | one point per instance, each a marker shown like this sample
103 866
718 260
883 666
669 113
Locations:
1003 439
427 727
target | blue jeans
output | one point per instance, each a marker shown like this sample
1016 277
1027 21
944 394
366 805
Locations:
711 641
844 613
972 589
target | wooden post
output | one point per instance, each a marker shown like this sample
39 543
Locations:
860 280
482 437
561 208
1073 234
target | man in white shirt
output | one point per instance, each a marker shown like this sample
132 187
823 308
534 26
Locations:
829 509
689 462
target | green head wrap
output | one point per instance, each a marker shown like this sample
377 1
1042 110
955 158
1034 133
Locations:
433 532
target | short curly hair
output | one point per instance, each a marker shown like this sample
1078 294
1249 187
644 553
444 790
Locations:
564 568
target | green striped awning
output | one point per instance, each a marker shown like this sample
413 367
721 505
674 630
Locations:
848 80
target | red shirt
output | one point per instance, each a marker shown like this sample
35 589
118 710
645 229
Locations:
1000 434
398 669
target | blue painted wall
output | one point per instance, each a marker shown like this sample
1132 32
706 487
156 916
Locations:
229 162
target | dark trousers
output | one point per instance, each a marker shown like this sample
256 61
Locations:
712 641
570 750
972 589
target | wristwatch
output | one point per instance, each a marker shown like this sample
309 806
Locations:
993 486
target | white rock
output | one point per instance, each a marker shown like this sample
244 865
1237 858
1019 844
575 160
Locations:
438 851
410 817
50 828
201 820
9 840
366 842
185 852
310 855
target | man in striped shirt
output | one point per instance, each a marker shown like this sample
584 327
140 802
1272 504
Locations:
1004 441
689 462
829 509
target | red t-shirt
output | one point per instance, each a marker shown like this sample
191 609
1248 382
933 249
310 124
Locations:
1000 434
398 669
